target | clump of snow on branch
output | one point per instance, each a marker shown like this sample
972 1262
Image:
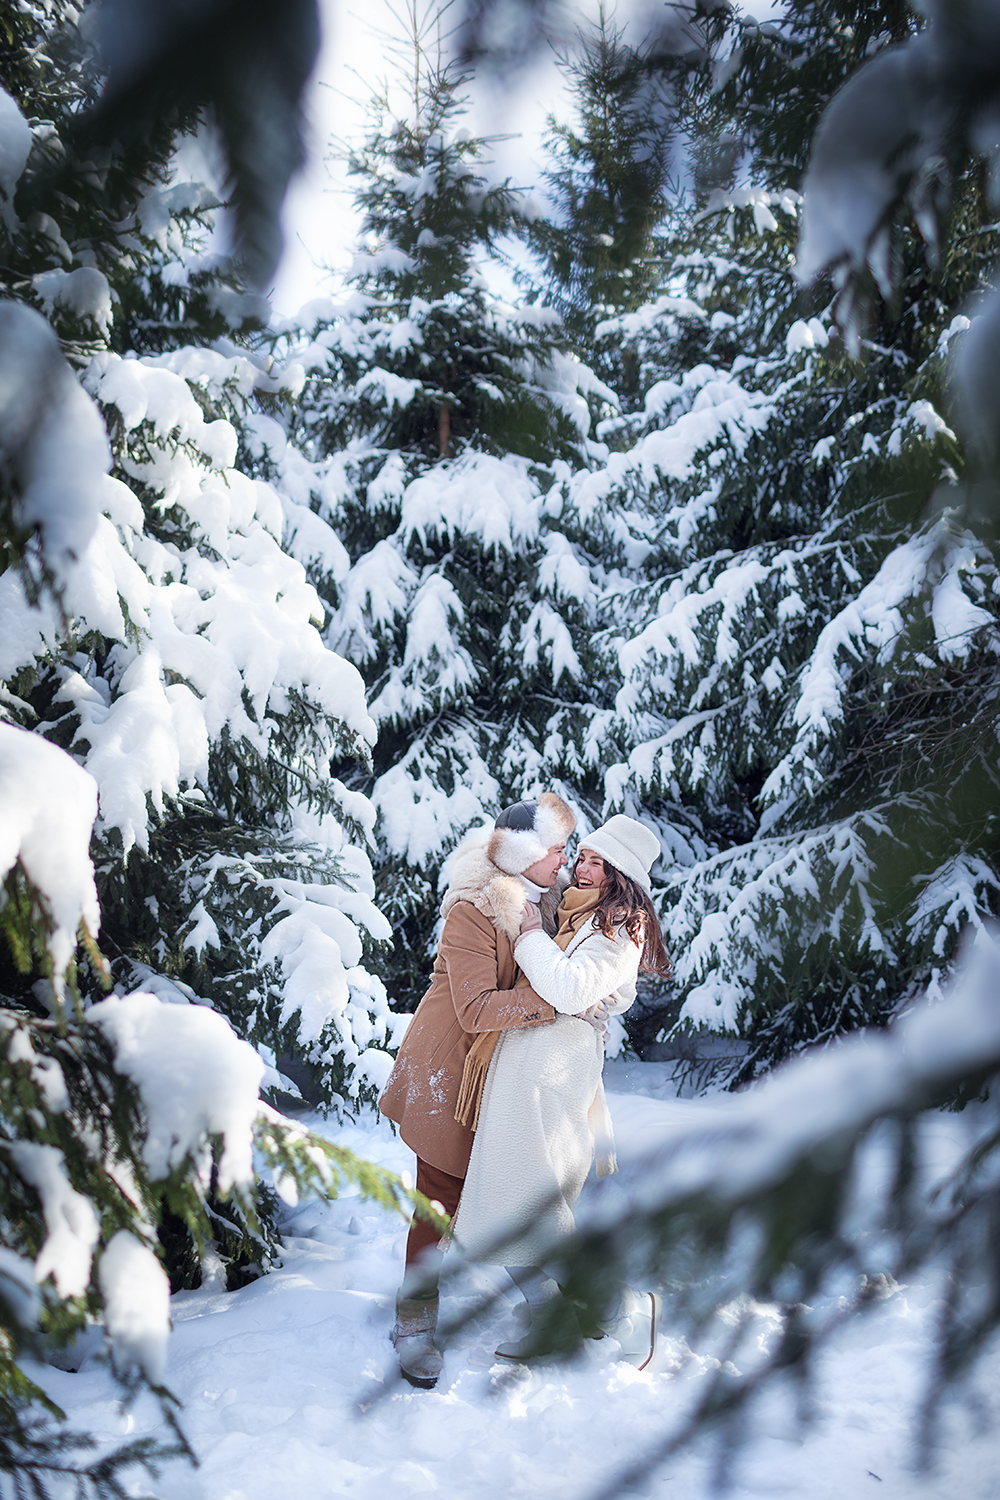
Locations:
71 1223
196 1079
493 499
739 911
17 1280
47 808
317 945
15 146
136 1296
707 409
52 441
83 293
758 200
46 1073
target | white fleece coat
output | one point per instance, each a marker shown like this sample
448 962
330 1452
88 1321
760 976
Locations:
543 1112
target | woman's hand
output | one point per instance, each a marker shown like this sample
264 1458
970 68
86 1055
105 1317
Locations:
531 921
597 1016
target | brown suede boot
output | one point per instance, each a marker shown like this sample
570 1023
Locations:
420 1360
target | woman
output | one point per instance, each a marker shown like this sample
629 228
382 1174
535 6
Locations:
543 1114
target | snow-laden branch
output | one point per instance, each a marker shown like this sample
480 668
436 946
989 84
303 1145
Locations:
832 1095
47 809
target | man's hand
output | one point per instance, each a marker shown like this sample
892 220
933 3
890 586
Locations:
597 1016
531 921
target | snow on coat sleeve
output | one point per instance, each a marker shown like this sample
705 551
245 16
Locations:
573 981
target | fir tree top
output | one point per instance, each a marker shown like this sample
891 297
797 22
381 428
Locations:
608 178
429 204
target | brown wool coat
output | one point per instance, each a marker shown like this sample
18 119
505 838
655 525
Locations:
472 990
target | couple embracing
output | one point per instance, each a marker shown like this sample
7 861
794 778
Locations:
497 1086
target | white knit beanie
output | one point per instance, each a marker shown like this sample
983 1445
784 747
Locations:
627 845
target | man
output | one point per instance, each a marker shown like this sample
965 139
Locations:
472 993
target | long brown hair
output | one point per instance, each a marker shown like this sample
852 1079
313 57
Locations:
624 904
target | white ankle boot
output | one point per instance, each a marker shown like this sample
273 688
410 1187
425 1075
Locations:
534 1344
540 1292
522 1348
420 1360
635 1325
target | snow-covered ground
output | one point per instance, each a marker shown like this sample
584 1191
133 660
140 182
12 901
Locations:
277 1381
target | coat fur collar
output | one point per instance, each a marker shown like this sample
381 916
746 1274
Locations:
500 897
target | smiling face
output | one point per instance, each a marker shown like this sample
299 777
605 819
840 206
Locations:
545 871
589 870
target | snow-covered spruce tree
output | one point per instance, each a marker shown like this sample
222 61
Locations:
110 1118
438 420
597 254
780 1205
807 656
183 664
114 1112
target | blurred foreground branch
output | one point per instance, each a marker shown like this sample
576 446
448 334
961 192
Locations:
806 1201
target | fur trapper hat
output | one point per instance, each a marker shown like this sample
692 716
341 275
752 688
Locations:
525 832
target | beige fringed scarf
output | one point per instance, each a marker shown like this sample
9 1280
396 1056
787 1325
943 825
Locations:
575 905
